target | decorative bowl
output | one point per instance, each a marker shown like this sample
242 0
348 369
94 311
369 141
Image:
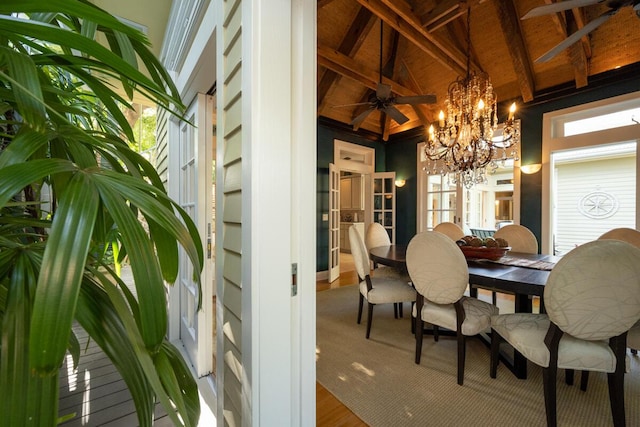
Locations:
483 252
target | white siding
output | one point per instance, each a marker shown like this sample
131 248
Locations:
575 181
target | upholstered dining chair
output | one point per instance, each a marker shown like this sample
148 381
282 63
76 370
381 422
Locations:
520 239
592 298
450 229
376 236
439 273
376 290
631 236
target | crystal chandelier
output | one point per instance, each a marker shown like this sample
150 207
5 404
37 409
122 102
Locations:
463 145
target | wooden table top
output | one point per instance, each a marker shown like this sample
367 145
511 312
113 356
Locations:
517 279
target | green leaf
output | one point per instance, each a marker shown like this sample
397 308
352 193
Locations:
144 265
14 351
21 72
98 317
16 177
61 273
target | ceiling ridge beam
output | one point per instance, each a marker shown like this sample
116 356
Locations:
410 27
508 17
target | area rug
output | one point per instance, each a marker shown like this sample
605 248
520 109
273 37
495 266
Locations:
379 381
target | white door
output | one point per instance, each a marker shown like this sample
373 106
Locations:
195 197
384 201
334 222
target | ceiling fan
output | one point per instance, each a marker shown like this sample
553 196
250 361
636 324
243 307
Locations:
384 101
613 5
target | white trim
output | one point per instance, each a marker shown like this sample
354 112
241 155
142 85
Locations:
366 165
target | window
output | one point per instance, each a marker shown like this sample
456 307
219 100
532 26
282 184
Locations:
590 184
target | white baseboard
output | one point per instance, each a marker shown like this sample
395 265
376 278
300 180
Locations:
322 275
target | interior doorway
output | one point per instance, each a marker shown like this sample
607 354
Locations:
350 201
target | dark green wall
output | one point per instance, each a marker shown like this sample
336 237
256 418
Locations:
399 155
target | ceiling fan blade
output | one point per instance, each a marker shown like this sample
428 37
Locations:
395 114
577 35
350 105
383 91
558 7
360 118
416 99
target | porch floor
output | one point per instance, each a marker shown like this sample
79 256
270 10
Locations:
96 393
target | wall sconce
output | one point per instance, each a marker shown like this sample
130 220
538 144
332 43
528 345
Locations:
531 169
400 182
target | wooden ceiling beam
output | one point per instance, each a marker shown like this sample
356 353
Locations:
345 66
509 23
399 16
394 64
446 12
323 3
578 15
351 43
576 52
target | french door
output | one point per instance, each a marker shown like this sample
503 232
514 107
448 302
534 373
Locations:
384 202
195 197
334 222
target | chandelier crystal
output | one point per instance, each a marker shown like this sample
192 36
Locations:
463 146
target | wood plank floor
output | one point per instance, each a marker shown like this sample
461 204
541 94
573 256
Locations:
95 393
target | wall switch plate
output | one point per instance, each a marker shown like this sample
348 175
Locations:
325 217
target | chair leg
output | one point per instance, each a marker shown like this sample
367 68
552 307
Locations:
461 357
494 297
360 302
436 333
495 356
419 325
568 376
616 380
584 380
369 319
395 310
400 310
549 376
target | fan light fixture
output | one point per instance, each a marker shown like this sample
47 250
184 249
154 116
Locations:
463 146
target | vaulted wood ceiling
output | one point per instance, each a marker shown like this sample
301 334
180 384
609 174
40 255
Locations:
424 49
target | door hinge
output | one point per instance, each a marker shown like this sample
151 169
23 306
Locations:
294 279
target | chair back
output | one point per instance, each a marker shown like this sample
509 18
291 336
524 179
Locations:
437 267
593 292
450 229
519 237
359 253
376 236
628 235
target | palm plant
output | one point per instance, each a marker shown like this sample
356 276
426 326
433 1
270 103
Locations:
71 188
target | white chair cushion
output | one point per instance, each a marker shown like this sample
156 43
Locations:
387 290
633 337
526 332
478 315
390 272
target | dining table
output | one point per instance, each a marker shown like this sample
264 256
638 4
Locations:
521 274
